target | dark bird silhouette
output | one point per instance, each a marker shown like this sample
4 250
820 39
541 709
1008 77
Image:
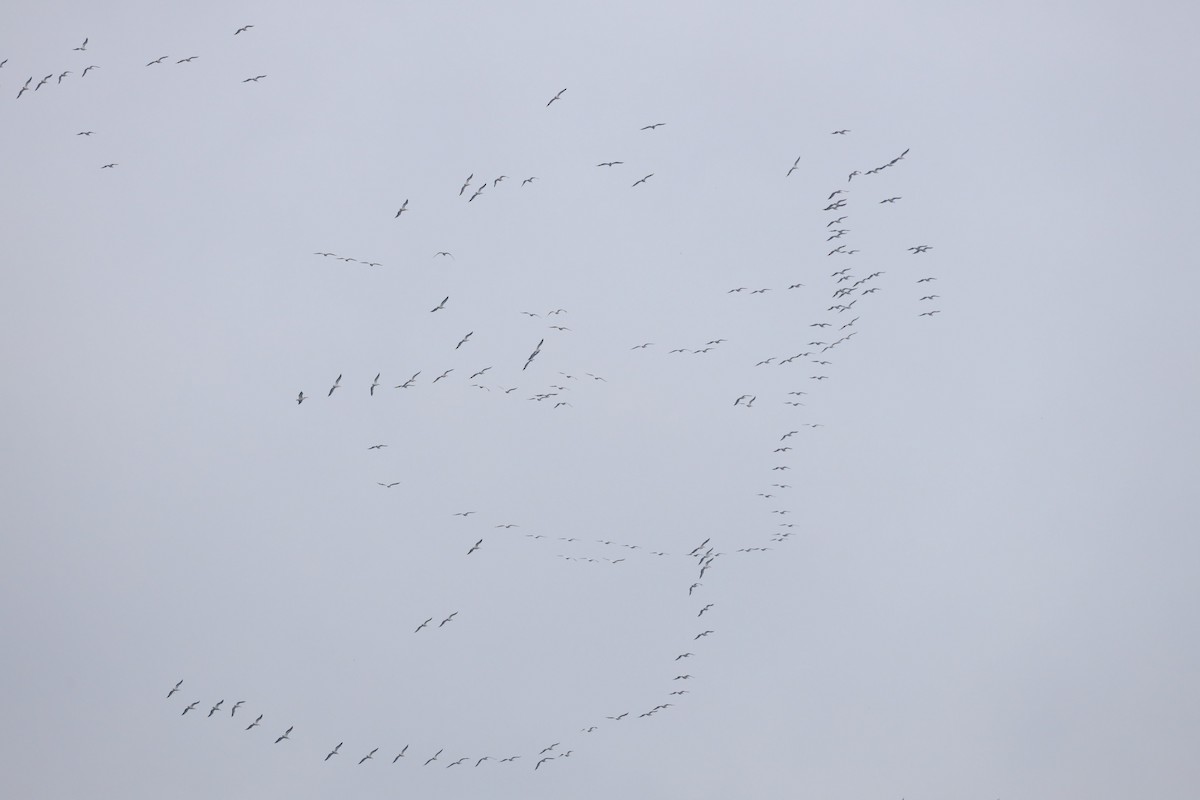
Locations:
367 757
423 624
173 691
643 180
88 68
255 79
795 166
842 131
403 208
286 735
191 706
255 723
444 374
440 305
236 706
475 547
158 60
336 384
464 340
375 383
334 751
81 47
552 99
434 758
213 710
242 29
447 619
655 125
300 398
609 163
400 755
186 60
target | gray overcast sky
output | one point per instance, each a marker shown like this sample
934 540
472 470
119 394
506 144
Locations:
989 586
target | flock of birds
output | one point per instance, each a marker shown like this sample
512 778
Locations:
851 292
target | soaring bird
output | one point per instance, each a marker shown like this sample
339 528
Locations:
403 208
464 340
192 705
336 384
86 69
213 710
444 374
43 81
552 99
334 751
173 691
367 757
842 131
890 200
255 723
377 447
447 619
643 180
236 706
300 398
466 183
795 166
456 763
255 79
423 624
475 547
443 253
63 75
186 60
408 383
655 125
389 485
286 734
400 755
82 46
375 383
158 60
529 180
434 757
440 305
242 29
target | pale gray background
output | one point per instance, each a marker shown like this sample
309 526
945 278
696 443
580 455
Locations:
991 587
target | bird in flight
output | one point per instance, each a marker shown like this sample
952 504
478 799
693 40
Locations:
242 29
403 208
334 751
643 180
286 735
158 60
447 619
842 131
367 757
929 313
529 180
641 346
400 755
443 253
408 383
795 166
444 374
173 691
43 81
388 485
85 69
921 248
255 79
236 706
552 99
300 398
655 125
889 200
375 383
24 88
440 305
192 705
213 710
336 384
475 547
466 183
377 447
422 625
255 723
609 163
464 340
81 47
186 60
434 758
63 75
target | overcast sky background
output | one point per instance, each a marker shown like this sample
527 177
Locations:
990 590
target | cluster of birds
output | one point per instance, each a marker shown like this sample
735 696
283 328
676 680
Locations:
851 296
30 86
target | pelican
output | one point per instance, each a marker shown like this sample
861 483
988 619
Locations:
255 723
286 735
255 79
236 706
367 757
190 707
173 691
400 755
655 125
334 751
475 547
440 305
552 99
158 60
447 619
336 384
213 710
375 383
81 47
403 208
423 624
242 29
643 180
795 166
